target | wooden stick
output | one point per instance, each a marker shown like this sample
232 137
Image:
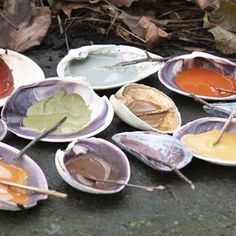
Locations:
174 169
42 135
34 189
225 127
149 189
224 90
196 98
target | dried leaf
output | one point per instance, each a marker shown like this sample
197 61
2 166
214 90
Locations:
122 3
205 4
224 16
33 23
225 40
153 34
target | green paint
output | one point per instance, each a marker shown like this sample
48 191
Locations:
47 112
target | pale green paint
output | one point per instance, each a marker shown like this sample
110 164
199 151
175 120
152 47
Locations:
45 113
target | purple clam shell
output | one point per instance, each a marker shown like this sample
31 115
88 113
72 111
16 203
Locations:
203 125
168 72
24 97
106 150
36 177
148 145
3 129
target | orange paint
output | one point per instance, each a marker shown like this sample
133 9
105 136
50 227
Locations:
13 174
6 79
201 81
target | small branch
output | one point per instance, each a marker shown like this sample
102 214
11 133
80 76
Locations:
60 24
200 100
42 135
225 127
8 20
174 169
224 90
149 189
34 189
137 61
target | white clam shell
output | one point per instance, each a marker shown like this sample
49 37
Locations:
203 125
100 147
169 70
123 112
24 70
126 53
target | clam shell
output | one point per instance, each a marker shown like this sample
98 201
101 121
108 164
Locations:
16 107
168 72
133 92
203 125
148 146
3 129
125 53
36 177
220 109
106 150
24 70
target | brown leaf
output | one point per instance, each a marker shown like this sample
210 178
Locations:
225 40
122 3
32 22
206 4
153 34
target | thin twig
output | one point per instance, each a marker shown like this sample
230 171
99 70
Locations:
224 90
60 24
120 182
34 189
225 127
198 99
42 135
174 169
8 20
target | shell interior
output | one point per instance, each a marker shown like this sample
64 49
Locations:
36 177
146 108
169 71
113 157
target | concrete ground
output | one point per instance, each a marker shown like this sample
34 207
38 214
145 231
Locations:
209 210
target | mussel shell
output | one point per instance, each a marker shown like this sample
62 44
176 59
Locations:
3 129
24 70
203 125
36 177
16 107
100 147
126 53
168 72
220 109
148 145
169 124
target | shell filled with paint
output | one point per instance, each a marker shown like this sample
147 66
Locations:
16 70
108 163
203 125
149 147
203 61
146 108
24 98
36 178
94 63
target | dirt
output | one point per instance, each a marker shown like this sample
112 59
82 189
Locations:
208 210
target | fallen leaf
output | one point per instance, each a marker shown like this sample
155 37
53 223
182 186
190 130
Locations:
225 40
153 34
206 4
122 3
32 22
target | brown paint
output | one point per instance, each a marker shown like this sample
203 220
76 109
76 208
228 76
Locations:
201 81
148 112
93 166
6 79
13 174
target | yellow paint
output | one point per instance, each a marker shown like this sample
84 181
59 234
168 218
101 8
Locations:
202 144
